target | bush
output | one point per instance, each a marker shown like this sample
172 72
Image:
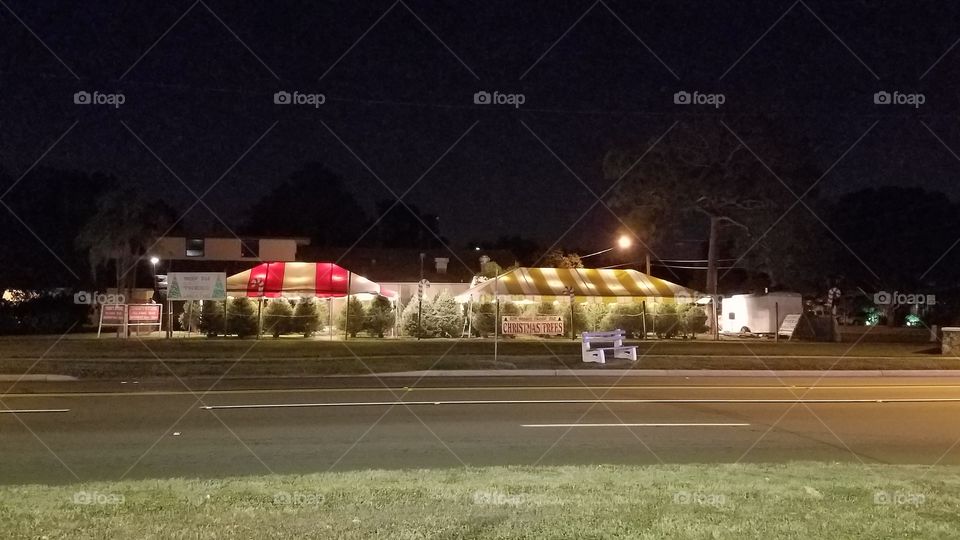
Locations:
482 320
579 318
626 317
211 318
408 317
544 308
43 313
190 317
441 317
307 316
380 317
278 317
667 322
593 315
693 319
446 316
356 321
242 318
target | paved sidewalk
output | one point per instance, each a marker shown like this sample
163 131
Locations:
38 377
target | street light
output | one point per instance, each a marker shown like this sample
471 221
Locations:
623 242
153 262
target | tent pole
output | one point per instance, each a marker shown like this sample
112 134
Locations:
346 319
470 317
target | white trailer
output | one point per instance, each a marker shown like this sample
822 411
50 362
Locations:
757 313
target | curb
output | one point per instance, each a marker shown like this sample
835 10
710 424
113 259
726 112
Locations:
665 373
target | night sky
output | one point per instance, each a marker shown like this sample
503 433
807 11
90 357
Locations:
399 79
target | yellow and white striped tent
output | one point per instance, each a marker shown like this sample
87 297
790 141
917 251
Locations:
600 285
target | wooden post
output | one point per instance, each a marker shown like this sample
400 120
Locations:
643 318
716 317
496 316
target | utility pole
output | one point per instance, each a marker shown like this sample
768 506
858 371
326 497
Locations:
712 272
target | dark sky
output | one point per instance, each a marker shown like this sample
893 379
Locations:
399 78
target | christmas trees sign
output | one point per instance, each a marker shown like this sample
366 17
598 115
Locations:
197 286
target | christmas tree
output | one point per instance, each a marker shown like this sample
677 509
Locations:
218 291
174 292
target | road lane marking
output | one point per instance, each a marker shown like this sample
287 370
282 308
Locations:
394 389
571 402
692 424
31 411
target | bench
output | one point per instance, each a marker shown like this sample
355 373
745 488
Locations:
598 346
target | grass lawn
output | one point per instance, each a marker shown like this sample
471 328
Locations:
800 500
195 357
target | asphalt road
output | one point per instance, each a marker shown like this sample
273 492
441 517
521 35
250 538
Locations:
108 430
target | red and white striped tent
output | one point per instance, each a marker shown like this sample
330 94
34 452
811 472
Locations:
301 279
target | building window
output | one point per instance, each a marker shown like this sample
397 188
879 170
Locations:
194 247
250 248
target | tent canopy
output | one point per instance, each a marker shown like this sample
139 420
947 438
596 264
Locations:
300 279
587 284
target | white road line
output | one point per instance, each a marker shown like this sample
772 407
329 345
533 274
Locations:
572 401
695 424
31 411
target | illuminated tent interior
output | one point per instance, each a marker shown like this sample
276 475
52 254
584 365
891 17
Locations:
301 279
599 285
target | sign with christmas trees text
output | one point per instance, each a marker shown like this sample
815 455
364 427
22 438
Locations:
196 286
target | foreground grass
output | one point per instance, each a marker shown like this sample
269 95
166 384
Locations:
111 358
801 500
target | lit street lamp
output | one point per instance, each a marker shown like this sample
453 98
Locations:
153 262
623 242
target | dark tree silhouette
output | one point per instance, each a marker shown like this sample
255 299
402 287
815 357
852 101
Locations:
313 202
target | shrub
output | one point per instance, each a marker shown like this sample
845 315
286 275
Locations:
211 318
626 317
190 317
242 317
278 317
667 321
693 319
356 321
441 317
593 315
482 318
41 313
307 315
380 317
579 318
446 316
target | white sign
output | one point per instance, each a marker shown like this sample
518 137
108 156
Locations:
789 324
196 286
539 325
